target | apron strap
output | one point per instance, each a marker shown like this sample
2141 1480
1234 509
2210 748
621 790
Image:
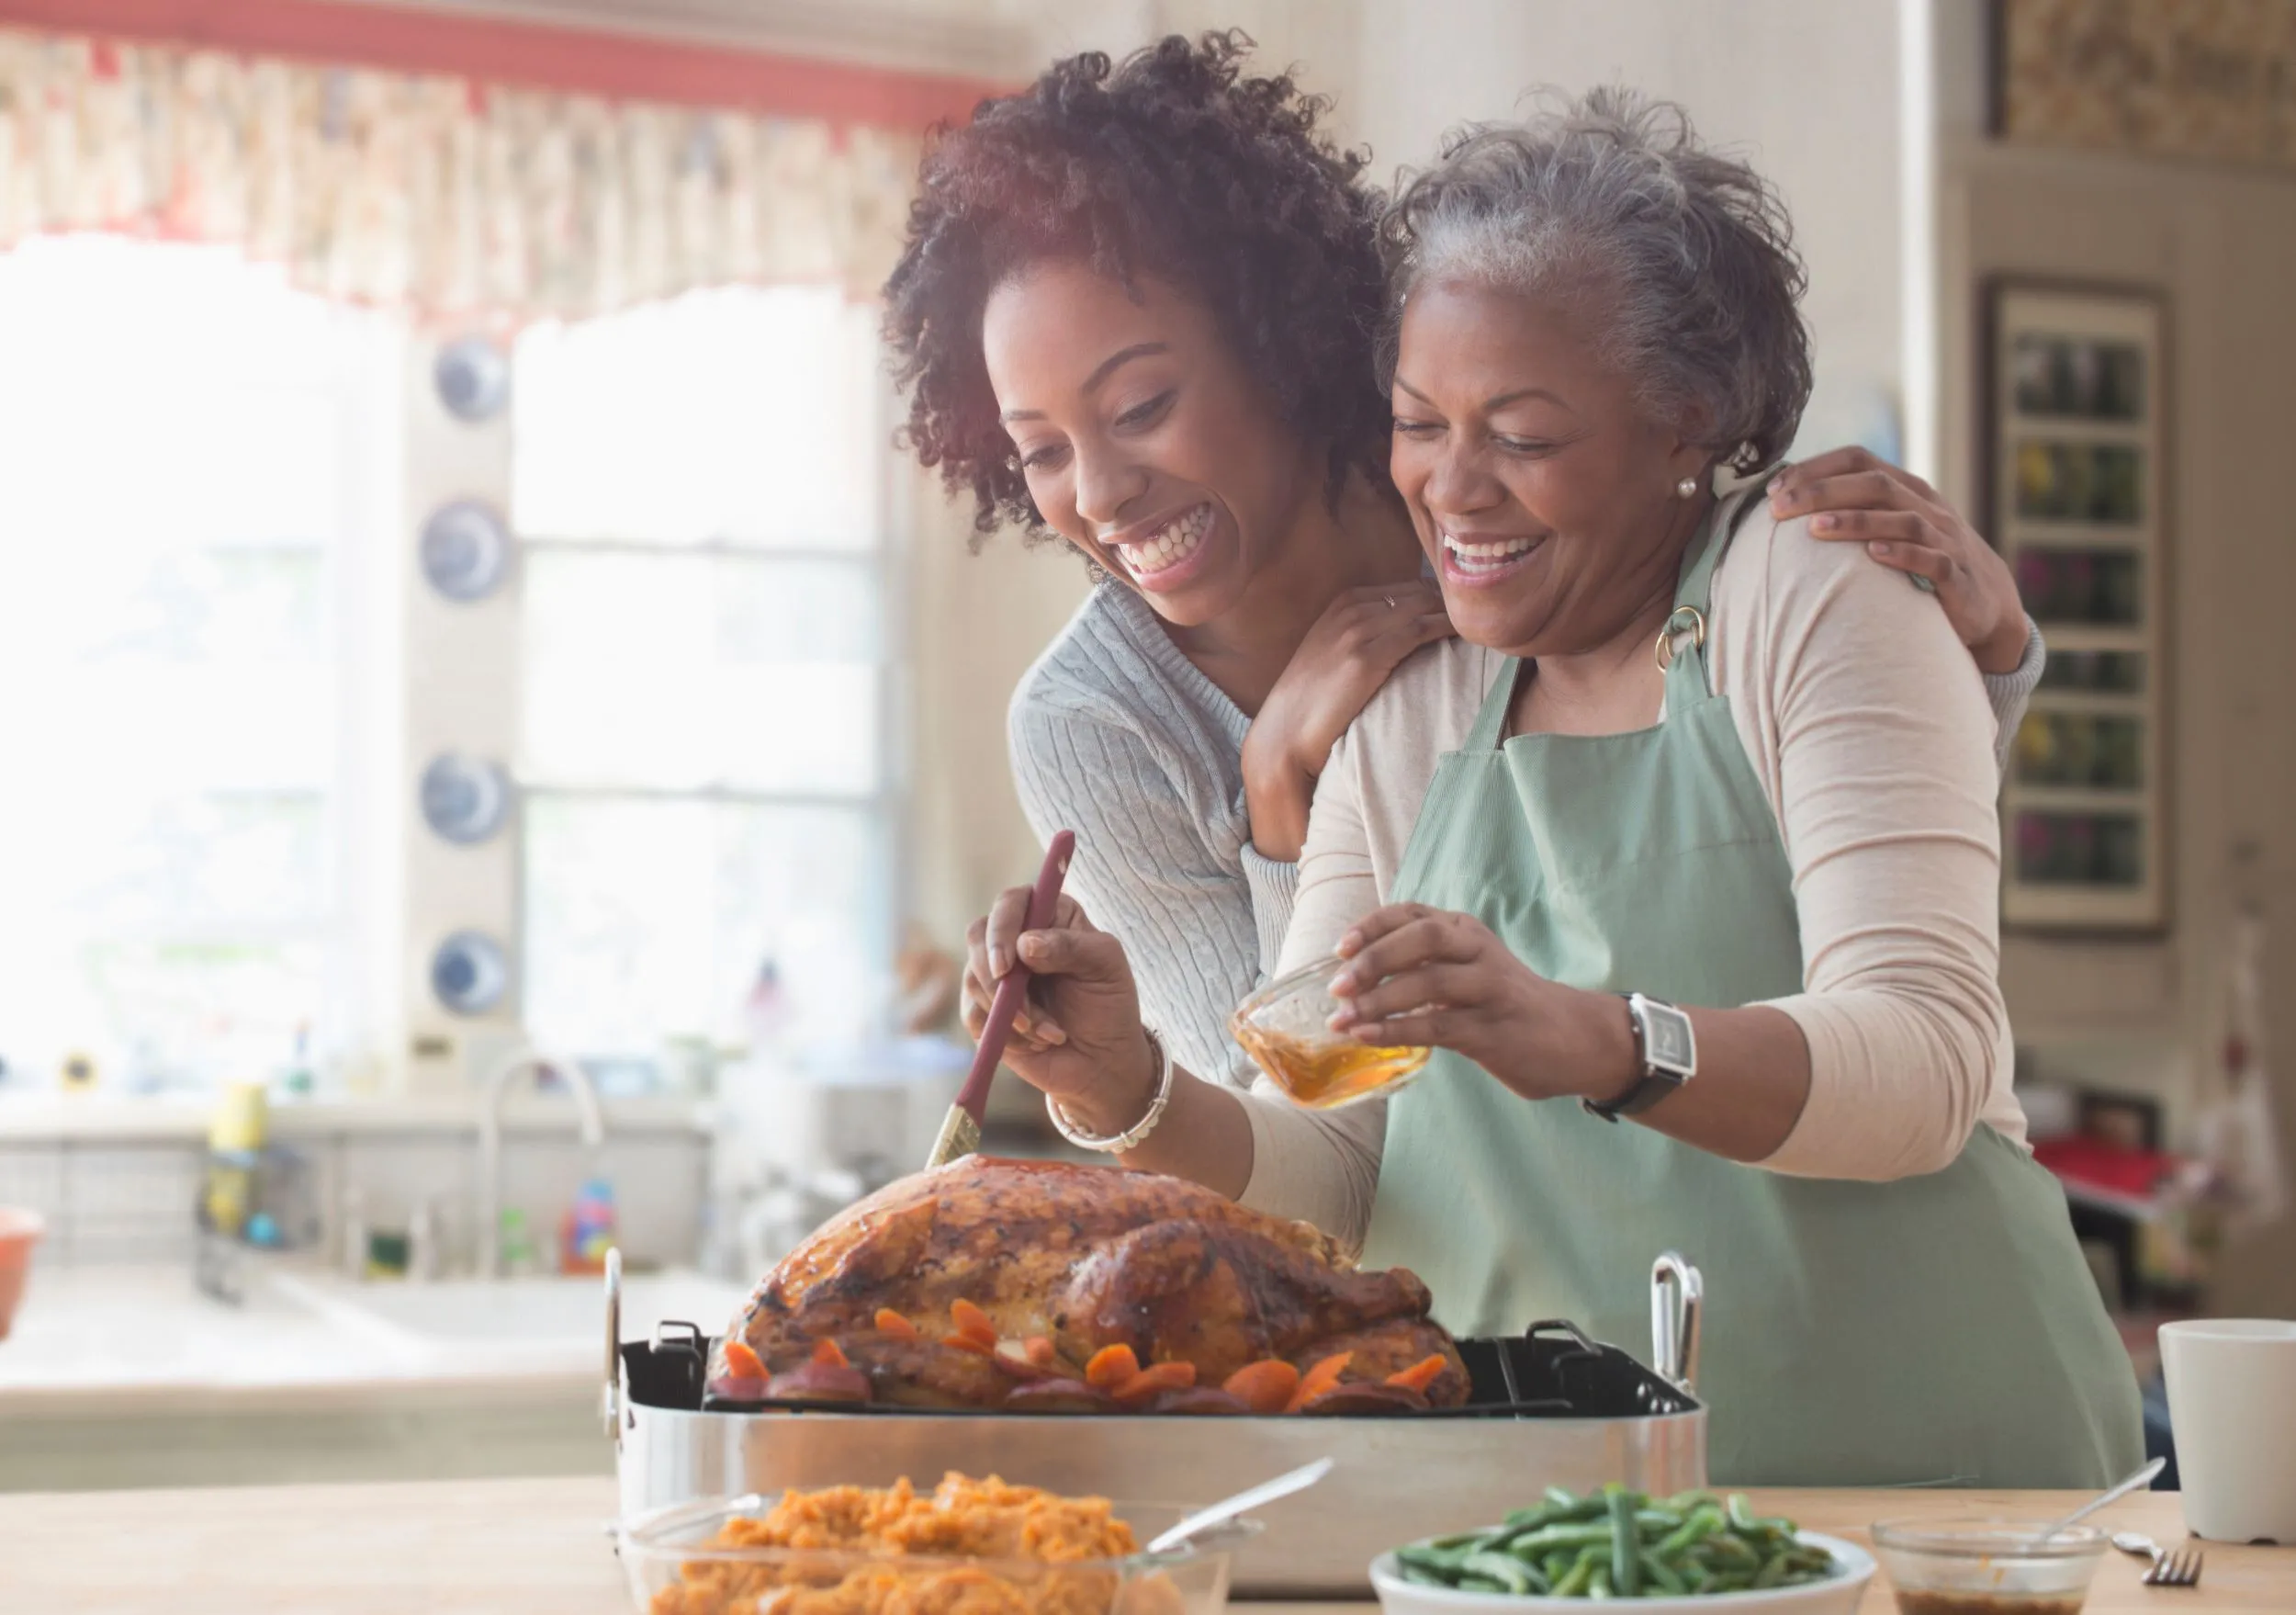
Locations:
1693 596
1493 719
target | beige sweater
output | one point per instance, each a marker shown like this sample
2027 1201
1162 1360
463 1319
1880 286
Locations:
1869 728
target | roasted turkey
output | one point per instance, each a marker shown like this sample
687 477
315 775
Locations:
1019 1285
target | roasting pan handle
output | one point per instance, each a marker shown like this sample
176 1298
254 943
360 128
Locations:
1677 1295
611 1403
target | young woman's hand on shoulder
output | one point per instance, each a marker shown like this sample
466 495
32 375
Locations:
1855 496
1362 637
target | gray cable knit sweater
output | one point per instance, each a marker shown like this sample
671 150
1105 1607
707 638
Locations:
1117 736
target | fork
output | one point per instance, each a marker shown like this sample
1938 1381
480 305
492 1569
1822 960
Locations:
2180 1568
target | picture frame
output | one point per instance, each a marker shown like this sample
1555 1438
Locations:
2074 446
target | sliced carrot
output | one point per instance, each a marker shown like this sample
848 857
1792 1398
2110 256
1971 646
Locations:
973 1323
1420 1375
1319 1378
972 1343
1037 1349
1013 1357
829 1354
1155 1380
1110 1367
890 1322
1265 1386
743 1364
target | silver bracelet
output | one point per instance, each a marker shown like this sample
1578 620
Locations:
1135 1136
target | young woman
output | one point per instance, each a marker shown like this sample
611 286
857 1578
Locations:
1692 825
1137 313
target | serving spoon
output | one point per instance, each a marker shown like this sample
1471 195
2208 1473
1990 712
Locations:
1219 1513
2141 1477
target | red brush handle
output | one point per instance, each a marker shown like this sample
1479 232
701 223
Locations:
973 1098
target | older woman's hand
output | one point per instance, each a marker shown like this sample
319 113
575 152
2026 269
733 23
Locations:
1852 494
1422 978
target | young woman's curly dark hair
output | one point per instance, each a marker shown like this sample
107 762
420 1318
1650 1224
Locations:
1173 166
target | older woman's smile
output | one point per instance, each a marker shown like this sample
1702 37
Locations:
1475 559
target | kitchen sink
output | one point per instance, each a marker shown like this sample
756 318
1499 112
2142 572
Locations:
533 1323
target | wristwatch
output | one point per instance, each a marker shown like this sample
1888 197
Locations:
1668 1050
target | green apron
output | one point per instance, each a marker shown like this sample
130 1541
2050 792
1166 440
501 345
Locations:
1938 1330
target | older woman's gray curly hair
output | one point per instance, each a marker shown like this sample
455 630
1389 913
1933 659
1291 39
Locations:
1689 254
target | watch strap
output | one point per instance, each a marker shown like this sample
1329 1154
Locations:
1654 1084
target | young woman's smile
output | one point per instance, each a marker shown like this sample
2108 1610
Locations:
1164 553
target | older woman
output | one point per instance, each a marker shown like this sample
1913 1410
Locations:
1783 819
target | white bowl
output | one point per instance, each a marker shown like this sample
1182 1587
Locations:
1837 1595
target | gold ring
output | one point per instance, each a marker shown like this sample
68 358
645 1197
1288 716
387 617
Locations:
1666 635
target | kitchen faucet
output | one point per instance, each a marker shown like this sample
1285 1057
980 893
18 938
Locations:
593 1125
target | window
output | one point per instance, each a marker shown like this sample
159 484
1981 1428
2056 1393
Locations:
193 460
698 487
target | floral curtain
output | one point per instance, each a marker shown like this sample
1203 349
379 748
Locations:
452 200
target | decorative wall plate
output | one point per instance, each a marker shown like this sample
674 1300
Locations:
473 379
469 973
465 549
465 799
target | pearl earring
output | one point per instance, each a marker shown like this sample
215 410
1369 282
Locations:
1687 488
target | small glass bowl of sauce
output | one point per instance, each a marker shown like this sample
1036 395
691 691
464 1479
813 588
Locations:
1285 1028
1987 1566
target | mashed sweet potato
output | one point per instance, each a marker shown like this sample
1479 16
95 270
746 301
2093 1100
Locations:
1015 1529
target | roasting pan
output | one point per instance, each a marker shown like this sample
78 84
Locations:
1546 1408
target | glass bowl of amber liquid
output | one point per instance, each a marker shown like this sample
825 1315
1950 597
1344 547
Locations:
1285 1028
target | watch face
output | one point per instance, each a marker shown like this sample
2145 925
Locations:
1669 1044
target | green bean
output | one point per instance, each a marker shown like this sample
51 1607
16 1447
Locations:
1703 1522
1558 1563
1598 1586
1508 1573
1773 1571
1656 1572
1626 1548
1565 1507
1479 1584
1559 1536
1574 1582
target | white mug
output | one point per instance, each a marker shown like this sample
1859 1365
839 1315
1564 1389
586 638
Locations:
2231 1403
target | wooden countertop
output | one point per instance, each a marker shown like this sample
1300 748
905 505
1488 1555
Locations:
512 1547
